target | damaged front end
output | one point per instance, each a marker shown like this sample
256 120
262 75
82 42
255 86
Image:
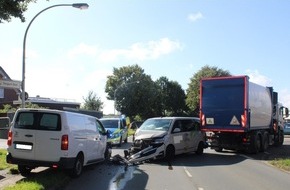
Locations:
142 150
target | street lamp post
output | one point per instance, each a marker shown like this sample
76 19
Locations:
75 5
123 84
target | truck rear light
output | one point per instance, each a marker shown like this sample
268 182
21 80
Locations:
244 119
202 119
64 142
9 140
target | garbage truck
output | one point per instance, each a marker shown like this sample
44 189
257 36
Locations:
237 114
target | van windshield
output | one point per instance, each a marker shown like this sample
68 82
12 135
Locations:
156 124
38 121
110 123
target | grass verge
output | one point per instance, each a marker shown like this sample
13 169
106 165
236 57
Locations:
47 179
3 164
281 163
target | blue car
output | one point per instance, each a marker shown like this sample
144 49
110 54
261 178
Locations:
287 128
117 130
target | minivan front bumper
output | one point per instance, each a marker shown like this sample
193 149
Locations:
64 163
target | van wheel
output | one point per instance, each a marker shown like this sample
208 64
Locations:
107 155
24 170
126 139
169 153
78 167
199 150
120 143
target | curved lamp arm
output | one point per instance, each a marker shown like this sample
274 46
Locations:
75 5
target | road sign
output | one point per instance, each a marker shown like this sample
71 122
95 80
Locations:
10 84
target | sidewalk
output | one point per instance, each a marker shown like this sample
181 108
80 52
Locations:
3 143
7 179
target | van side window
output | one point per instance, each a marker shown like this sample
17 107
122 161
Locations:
100 128
49 122
177 126
40 121
24 120
191 125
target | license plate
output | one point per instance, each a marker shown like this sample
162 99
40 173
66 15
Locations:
23 146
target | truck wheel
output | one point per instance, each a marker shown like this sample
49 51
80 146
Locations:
280 138
24 170
169 153
255 145
265 141
78 167
199 150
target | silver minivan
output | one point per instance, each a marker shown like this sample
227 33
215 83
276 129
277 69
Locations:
175 135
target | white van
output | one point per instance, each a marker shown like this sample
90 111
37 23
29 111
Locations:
57 139
167 136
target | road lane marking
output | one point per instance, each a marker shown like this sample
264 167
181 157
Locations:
187 172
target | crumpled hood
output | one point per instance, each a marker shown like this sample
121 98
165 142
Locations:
149 134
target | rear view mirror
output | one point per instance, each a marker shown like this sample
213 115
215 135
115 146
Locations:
176 130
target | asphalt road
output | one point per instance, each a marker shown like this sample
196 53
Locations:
210 171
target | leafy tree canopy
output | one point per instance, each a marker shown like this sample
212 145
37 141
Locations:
13 8
92 102
192 99
132 91
172 97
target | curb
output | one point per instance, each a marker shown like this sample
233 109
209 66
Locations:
7 179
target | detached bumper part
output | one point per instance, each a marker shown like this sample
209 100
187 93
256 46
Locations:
132 157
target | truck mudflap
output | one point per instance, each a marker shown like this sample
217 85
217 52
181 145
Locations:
148 153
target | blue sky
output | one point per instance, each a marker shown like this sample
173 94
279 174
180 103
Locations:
70 52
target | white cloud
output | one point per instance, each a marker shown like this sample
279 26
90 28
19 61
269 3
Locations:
82 49
258 78
284 97
142 51
192 17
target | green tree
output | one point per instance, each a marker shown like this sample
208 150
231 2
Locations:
92 102
13 8
192 99
132 91
7 108
172 97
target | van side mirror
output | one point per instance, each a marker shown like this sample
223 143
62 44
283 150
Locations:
108 133
176 130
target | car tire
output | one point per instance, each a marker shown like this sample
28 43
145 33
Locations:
170 152
24 170
200 148
77 170
107 154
